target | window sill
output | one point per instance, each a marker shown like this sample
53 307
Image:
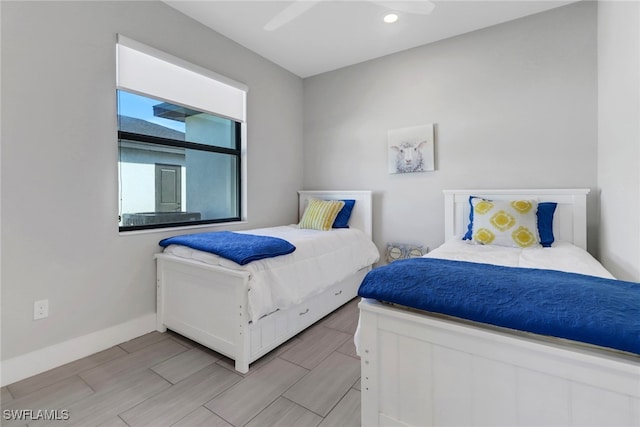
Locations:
181 228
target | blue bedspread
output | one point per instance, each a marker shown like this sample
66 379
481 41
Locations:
589 309
238 247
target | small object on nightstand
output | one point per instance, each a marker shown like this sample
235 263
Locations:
396 251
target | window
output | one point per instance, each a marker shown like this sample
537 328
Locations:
176 165
180 147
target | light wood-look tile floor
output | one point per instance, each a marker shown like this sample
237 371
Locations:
168 380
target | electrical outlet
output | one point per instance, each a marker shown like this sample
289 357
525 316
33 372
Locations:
40 309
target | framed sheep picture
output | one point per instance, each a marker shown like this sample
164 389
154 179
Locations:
411 149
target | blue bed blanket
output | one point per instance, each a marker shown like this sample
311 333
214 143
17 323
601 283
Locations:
238 247
588 309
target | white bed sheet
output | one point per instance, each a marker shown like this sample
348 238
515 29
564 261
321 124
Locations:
321 259
561 256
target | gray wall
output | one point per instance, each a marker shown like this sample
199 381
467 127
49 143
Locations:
515 105
619 137
59 160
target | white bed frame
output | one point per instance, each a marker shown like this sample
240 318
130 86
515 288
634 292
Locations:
208 303
421 369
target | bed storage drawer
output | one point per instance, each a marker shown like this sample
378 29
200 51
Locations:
316 308
274 329
320 305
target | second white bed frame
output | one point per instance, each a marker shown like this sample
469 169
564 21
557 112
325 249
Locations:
420 369
208 303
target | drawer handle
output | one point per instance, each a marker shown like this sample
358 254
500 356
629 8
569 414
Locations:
304 312
338 293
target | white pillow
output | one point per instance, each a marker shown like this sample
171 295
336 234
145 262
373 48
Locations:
505 222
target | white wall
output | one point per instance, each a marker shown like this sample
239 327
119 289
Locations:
60 236
619 137
515 105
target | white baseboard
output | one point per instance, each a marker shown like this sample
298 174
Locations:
27 365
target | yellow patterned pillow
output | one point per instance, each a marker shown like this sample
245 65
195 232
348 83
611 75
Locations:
320 214
505 222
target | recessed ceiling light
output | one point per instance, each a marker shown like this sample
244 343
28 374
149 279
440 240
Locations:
390 18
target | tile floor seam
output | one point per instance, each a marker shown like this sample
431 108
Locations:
318 362
338 402
218 415
348 355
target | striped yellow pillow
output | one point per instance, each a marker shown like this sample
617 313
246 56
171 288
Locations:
320 214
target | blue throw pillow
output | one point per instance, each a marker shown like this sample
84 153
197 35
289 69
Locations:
469 234
545 222
342 220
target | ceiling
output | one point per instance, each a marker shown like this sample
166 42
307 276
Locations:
332 34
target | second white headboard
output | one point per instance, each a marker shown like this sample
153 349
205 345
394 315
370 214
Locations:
569 221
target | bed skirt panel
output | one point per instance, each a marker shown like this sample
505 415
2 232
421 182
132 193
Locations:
419 370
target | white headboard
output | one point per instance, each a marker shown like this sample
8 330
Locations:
569 220
362 214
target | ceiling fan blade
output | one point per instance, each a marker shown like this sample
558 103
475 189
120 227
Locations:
418 7
289 13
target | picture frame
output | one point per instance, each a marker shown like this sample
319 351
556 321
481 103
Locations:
411 149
